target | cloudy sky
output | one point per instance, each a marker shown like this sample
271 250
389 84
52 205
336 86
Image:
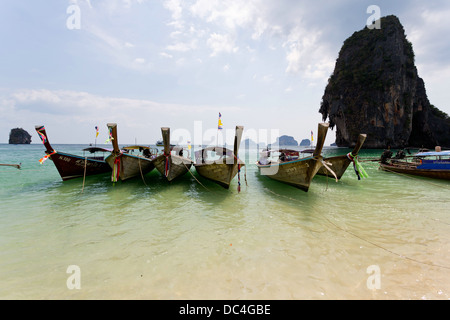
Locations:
264 64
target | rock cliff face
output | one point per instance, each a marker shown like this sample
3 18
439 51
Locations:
286 141
19 136
375 89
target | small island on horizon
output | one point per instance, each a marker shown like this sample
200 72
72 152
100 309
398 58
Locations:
19 136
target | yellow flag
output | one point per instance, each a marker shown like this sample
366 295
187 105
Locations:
219 127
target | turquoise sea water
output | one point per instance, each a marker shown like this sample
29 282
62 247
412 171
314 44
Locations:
385 237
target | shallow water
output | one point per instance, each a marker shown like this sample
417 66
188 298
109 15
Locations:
185 240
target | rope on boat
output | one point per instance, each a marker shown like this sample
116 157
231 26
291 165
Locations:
239 177
390 251
368 241
140 169
194 176
329 169
84 175
245 175
239 173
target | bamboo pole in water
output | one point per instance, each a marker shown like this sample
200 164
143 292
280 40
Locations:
11 165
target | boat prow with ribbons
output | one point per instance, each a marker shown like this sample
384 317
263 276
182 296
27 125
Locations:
337 165
173 163
220 164
71 166
124 163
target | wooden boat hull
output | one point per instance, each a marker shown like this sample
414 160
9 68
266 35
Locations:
176 166
72 166
170 165
220 173
222 170
339 164
130 166
297 173
412 170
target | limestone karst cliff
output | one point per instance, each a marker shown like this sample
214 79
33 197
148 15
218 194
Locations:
375 89
286 141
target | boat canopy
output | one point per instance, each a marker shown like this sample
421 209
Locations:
433 153
135 147
219 151
96 149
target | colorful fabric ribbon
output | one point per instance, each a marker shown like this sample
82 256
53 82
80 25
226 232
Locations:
116 169
166 165
359 170
42 136
110 136
42 160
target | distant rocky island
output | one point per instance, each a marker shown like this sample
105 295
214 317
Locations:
290 141
375 89
305 143
286 141
19 136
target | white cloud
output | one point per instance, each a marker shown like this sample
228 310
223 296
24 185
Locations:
230 14
166 55
219 43
88 105
139 60
175 7
183 46
240 23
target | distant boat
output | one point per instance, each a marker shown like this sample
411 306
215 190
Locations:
220 164
72 166
432 164
339 164
126 165
288 167
172 163
160 143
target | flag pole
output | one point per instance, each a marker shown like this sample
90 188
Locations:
96 135
219 127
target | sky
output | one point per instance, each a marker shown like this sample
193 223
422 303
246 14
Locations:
71 65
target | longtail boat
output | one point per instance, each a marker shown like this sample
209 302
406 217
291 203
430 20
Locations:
172 163
220 164
72 166
432 164
124 163
289 167
338 165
